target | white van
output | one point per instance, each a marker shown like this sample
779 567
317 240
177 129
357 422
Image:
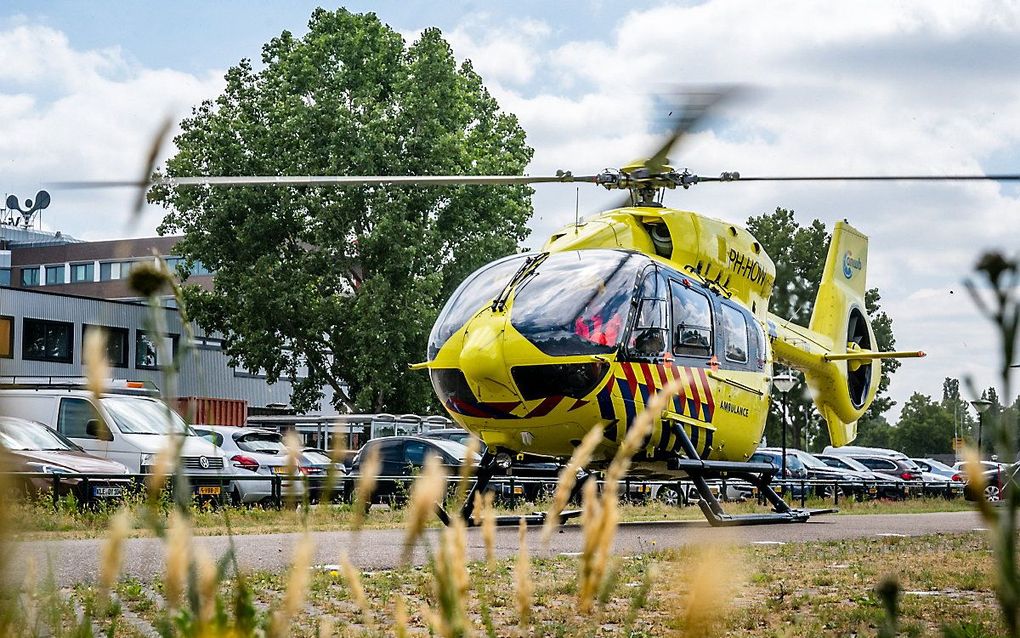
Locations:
139 425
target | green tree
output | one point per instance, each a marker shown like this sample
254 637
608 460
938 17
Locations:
925 427
799 254
331 286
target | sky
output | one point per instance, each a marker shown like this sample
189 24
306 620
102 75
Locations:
833 88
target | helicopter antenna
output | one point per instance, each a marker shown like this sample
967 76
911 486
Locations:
577 209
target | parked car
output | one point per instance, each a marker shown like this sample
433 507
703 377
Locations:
938 467
256 452
403 457
28 446
539 473
888 485
837 481
125 424
995 477
320 459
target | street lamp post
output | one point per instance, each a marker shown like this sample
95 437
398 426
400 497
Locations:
784 383
981 405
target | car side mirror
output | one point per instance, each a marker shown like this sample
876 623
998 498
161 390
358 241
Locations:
98 430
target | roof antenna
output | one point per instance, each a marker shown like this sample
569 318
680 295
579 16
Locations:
577 209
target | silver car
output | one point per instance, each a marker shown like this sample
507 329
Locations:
254 452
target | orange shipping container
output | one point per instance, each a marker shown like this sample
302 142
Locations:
212 411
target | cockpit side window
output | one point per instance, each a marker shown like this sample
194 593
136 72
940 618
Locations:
650 335
692 321
735 331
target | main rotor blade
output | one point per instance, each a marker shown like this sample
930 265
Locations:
869 178
337 180
697 105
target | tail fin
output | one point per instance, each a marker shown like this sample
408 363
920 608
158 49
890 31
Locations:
843 380
846 388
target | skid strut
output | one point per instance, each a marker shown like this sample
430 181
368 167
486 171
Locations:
486 470
757 474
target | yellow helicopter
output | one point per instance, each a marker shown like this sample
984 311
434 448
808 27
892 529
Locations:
535 349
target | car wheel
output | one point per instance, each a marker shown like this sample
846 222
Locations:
832 491
668 495
992 493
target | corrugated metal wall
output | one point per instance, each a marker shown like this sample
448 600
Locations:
205 373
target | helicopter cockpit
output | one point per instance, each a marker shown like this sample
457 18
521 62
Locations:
598 302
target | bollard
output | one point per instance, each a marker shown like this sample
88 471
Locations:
803 494
277 492
835 493
56 491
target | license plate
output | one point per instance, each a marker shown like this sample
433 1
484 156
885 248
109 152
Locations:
209 490
280 469
872 490
107 492
518 489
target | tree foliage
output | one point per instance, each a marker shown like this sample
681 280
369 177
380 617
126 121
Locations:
333 286
799 254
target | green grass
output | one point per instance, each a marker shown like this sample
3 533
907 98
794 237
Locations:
39 520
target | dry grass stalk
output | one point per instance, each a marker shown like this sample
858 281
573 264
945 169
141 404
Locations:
370 466
467 469
589 574
450 584
486 513
208 585
522 576
599 525
178 556
30 586
292 442
325 627
164 465
975 480
400 619
568 479
97 365
113 552
709 584
297 587
426 492
353 577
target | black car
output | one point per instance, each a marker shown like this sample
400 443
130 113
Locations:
538 474
403 457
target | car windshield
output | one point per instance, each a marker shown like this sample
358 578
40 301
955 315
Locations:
316 457
25 435
136 415
454 449
262 442
577 302
853 464
811 461
938 465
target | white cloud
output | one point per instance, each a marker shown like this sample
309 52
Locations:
68 114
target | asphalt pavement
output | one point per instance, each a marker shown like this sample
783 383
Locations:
76 561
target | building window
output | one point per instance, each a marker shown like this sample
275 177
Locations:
111 270
151 349
47 340
6 337
55 275
82 272
30 276
5 276
116 344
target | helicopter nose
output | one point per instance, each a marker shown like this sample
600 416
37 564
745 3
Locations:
483 362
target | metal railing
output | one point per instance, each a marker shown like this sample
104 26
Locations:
395 489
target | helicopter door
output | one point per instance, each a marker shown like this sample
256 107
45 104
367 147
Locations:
649 338
692 321
742 339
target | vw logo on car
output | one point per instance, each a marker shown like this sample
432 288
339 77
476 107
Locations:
204 462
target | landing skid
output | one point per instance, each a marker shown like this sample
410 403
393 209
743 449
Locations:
700 472
757 474
486 470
